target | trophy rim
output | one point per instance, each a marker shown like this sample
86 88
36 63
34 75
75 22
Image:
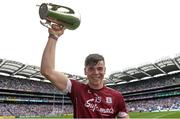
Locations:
43 11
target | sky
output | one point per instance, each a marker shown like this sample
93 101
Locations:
128 33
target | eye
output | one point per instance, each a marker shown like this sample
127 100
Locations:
90 68
100 68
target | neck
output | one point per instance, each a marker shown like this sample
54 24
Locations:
96 87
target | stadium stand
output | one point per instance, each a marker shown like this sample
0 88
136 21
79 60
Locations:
152 87
25 92
163 67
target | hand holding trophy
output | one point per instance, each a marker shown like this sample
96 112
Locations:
61 15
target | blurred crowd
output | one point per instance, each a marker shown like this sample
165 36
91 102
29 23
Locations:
170 103
35 109
21 84
146 84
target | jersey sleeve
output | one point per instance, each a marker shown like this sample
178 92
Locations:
122 109
68 87
73 88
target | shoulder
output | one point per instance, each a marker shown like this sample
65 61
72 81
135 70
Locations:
76 83
77 88
112 91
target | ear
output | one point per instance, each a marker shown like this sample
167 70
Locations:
84 70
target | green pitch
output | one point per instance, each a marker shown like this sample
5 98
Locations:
133 115
156 115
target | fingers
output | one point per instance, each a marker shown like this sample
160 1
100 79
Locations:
57 27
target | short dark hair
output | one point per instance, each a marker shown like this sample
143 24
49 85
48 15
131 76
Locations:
93 59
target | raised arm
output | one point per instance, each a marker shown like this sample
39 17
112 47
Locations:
48 59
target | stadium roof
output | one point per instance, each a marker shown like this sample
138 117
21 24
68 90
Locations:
17 69
164 67
160 68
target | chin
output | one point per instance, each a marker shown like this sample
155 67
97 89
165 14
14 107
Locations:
97 83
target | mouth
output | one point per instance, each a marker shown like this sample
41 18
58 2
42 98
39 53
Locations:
96 78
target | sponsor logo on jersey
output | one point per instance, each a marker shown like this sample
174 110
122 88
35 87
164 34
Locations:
92 104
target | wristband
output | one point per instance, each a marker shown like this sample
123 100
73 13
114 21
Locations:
55 37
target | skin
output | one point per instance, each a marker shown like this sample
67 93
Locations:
95 73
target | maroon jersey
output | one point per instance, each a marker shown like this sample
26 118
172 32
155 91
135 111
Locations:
90 103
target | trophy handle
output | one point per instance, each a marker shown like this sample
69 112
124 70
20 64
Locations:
55 7
46 23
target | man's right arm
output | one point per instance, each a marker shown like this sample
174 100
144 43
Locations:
48 60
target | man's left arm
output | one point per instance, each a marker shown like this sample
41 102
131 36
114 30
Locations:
123 115
126 117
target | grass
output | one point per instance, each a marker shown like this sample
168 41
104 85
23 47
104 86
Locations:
156 115
133 115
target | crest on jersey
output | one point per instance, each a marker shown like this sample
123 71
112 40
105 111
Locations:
108 100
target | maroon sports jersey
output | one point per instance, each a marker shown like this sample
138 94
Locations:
90 103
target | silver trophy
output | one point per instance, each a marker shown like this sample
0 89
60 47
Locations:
62 15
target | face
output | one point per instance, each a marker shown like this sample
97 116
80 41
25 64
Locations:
95 74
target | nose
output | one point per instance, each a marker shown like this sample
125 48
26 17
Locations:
96 71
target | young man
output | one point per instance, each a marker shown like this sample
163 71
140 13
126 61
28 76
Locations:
91 100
